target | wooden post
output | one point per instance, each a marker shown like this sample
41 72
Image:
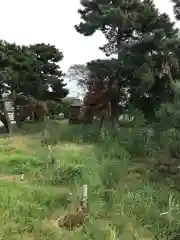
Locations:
85 196
51 158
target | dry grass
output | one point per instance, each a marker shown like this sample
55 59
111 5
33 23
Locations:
67 146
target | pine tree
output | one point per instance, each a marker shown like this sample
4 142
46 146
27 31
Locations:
143 40
31 70
176 6
47 81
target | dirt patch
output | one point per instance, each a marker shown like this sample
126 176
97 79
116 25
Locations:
22 143
73 147
19 141
27 236
12 178
52 224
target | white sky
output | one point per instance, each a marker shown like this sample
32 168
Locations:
32 21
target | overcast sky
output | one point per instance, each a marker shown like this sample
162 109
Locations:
32 21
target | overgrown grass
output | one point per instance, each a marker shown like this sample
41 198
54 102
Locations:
127 194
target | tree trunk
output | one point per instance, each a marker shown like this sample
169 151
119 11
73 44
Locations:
5 117
17 109
13 94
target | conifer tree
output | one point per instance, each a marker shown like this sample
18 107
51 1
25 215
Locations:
143 40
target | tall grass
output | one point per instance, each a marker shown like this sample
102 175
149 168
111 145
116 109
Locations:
127 193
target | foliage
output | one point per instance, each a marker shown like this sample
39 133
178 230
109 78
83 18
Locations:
144 41
48 73
176 9
55 107
99 75
79 73
32 70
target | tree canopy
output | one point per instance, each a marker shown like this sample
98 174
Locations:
32 70
145 42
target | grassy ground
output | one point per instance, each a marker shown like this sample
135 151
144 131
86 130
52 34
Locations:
126 194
